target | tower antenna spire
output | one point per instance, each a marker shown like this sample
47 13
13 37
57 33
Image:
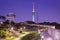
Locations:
33 8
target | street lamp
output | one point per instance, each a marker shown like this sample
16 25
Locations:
42 37
38 31
24 27
9 23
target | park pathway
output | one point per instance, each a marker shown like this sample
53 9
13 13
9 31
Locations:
19 38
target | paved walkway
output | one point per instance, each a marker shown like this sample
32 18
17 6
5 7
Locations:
19 38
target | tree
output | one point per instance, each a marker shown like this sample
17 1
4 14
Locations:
2 18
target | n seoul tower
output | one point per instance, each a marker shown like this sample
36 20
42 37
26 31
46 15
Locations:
33 13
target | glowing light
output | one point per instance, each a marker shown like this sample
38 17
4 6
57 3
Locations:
12 28
42 36
20 28
24 27
49 38
38 31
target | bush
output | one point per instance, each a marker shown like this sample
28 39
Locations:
3 33
29 36
20 31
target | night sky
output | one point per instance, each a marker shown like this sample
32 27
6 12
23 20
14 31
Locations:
47 10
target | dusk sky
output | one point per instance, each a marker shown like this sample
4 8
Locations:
47 10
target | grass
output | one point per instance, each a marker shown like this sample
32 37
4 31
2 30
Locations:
9 36
29 36
14 37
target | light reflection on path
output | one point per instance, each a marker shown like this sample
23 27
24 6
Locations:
51 34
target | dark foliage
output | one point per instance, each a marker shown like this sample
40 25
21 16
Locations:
57 26
2 17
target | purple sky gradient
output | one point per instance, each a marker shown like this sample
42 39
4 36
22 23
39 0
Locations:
47 10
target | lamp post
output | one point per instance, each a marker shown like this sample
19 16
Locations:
9 23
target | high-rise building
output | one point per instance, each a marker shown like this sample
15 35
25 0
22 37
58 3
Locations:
11 17
33 13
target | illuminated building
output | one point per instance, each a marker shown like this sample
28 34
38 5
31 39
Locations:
11 17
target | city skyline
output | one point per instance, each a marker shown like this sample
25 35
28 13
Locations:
47 10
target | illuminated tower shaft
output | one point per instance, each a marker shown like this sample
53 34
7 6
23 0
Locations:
33 17
33 13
